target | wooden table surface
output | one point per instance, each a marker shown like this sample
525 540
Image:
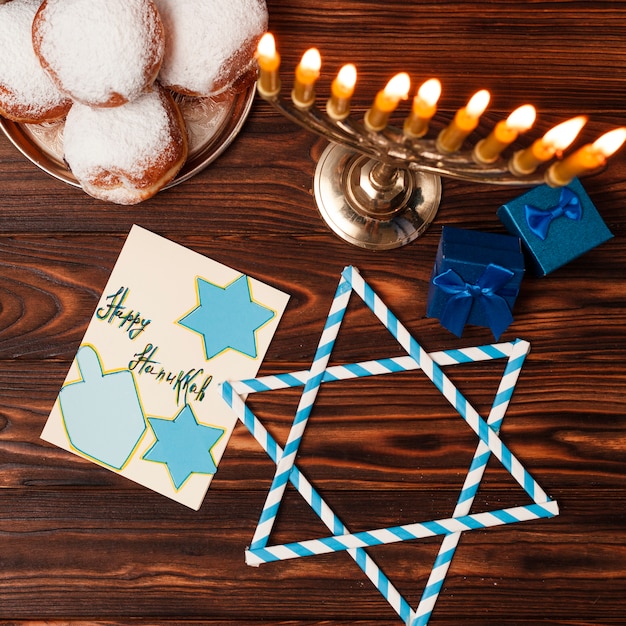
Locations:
79 544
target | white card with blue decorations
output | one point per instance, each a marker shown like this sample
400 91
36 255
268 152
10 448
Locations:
141 397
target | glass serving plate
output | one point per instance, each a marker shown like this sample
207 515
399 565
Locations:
212 125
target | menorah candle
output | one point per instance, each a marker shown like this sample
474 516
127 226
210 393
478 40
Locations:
588 158
341 90
268 61
465 121
423 109
307 72
386 102
488 150
526 161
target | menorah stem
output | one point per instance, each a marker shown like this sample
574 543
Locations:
374 204
377 189
384 175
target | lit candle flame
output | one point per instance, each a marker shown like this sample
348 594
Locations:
311 61
266 48
345 81
398 88
563 135
610 142
478 103
429 92
522 118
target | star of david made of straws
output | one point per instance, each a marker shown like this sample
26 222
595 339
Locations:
355 543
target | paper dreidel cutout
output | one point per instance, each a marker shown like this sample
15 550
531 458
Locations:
101 411
141 397
355 543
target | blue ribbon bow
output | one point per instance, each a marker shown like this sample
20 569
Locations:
488 291
539 220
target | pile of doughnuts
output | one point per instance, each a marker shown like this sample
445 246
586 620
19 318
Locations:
109 69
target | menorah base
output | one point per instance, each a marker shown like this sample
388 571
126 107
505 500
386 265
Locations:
371 204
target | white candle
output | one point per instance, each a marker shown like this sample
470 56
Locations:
465 121
341 89
423 109
307 72
588 158
269 62
526 161
504 134
387 101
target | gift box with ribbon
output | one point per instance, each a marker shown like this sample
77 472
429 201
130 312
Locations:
556 225
475 280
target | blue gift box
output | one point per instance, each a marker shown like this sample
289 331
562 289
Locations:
475 280
556 225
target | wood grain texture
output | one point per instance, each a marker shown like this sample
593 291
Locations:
80 545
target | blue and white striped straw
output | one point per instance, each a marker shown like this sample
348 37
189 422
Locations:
489 442
317 503
405 532
516 352
470 486
307 400
445 386
373 368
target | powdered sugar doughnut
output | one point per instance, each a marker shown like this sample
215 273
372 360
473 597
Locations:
126 154
100 52
27 94
209 43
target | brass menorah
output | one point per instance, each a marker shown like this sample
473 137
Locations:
378 186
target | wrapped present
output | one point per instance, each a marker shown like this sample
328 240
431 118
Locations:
475 280
556 225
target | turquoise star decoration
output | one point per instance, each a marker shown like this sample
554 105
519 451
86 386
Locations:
227 317
183 445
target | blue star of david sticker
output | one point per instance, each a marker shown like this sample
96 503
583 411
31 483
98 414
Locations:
227 317
354 544
183 445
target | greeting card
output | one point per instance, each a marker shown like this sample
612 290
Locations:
141 397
